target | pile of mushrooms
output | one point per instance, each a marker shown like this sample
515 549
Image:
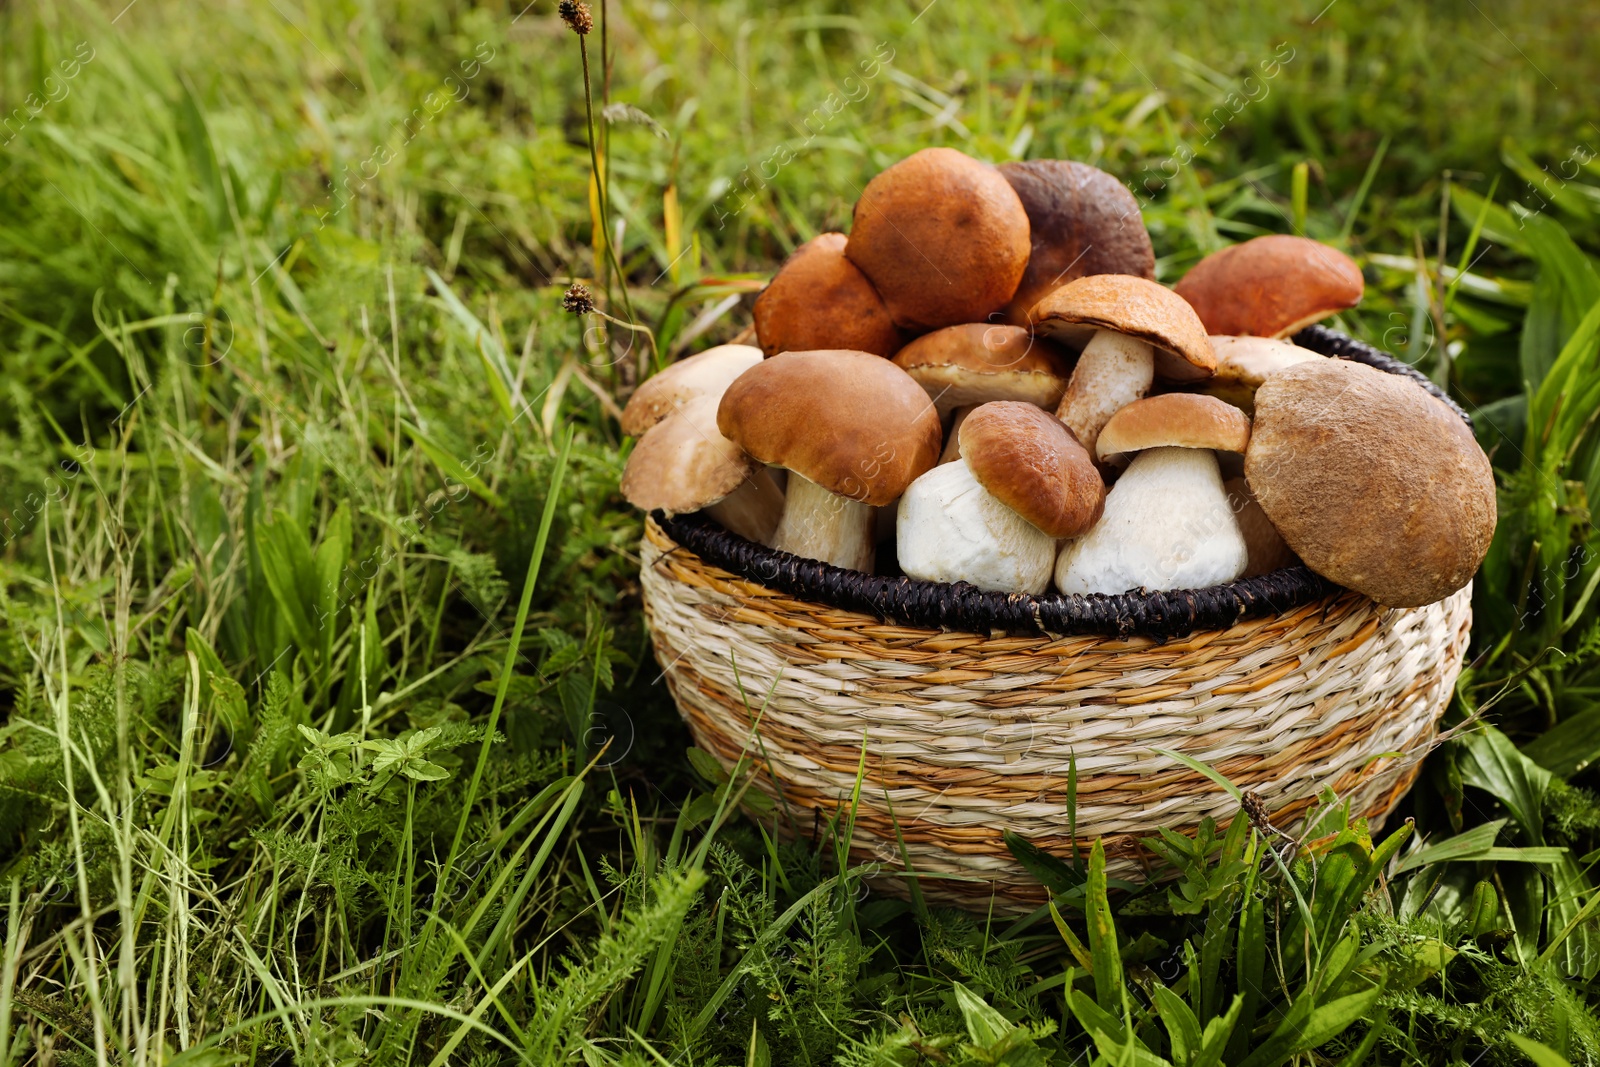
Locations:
983 383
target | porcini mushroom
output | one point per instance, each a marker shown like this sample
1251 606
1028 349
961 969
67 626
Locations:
819 299
1243 363
684 464
993 518
706 373
1082 221
1268 552
852 429
1133 327
961 366
1271 286
1167 523
942 237
1372 482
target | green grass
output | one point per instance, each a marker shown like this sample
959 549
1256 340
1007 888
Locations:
332 732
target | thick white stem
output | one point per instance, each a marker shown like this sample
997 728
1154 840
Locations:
752 511
952 529
1114 371
825 526
1167 525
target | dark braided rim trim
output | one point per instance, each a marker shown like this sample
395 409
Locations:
959 606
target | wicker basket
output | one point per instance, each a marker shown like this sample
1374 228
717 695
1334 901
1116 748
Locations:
960 711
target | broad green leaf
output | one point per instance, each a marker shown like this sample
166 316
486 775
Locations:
452 466
1540 1055
1183 1029
290 572
985 1026
1103 952
1492 763
1569 746
1215 1038
1110 1037
1477 845
1052 873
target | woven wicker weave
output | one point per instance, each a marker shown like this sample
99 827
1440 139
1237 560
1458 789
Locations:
1287 686
966 735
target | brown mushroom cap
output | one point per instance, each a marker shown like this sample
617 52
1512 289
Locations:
977 362
1372 482
1029 461
705 373
1271 286
1082 221
683 463
1175 420
852 422
819 299
1137 307
943 238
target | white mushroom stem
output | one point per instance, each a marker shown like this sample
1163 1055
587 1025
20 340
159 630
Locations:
825 526
952 529
752 511
952 440
1114 371
1167 524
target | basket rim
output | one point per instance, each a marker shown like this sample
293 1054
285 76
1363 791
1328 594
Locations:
960 606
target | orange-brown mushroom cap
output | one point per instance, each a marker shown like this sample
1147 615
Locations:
683 463
1271 286
1141 309
852 422
977 362
943 238
819 299
1175 420
1029 461
1082 221
704 373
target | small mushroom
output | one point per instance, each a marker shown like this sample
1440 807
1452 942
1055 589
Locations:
683 464
1133 327
852 429
1271 286
1082 221
993 517
706 373
819 299
1167 523
1372 482
1267 549
942 237
961 366
1243 363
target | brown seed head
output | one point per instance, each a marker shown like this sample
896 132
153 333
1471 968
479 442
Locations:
577 299
575 13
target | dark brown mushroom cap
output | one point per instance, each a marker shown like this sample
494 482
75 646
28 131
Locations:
852 422
1271 286
978 362
1174 420
819 299
704 373
1082 221
1137 307
683 463
1029 461
942 237
1372 482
